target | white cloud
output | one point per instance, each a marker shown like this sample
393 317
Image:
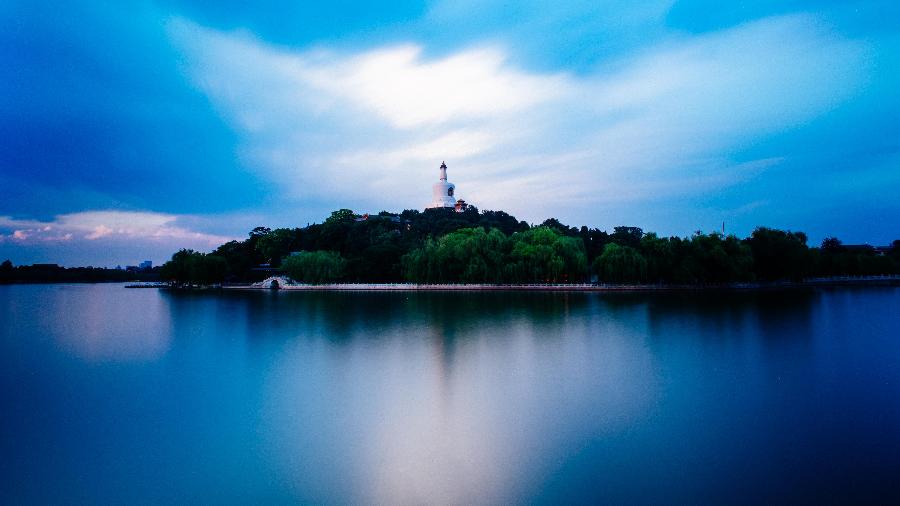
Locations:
397 84
106 225
368 129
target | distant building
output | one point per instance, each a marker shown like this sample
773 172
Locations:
146 265
442 193
867 248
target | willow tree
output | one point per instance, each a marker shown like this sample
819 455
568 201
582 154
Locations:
469 255
315 267
545 255
620 264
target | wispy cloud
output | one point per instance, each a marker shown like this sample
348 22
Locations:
104 226
668 115
671 120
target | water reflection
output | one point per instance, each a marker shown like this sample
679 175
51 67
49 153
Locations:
248 397
96 324
410 398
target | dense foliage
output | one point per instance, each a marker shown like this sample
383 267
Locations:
315 266
620 264
191 267
477 255
443 246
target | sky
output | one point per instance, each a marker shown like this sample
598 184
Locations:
131 129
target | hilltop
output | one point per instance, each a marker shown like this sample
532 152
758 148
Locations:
471 246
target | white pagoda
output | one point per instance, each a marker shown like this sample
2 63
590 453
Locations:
442 192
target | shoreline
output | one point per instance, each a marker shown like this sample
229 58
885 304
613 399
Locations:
560 287
893 280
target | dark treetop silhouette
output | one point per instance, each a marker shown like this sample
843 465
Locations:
443 246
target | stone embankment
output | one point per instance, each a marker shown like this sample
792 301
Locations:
285 284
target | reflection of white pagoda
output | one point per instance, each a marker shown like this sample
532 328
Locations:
442 193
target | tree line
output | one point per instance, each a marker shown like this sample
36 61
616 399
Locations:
443 246
52 273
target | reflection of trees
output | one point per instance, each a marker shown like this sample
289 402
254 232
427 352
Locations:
731 313
450 321
343 316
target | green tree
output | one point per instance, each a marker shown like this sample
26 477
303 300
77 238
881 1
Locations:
779 255
594 242
469 255
276 244
441 245
714 258
501 221
340 216
663 258
544 255
315 266
189 267
560 227
207 269
260 231
620 264
627 236
178 269
240 257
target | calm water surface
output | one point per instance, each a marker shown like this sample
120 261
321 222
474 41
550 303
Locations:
112 395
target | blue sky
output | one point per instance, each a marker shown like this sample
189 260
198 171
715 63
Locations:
131 129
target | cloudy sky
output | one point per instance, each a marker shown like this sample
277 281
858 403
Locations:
131 129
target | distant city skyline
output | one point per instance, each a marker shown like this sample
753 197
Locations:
134 129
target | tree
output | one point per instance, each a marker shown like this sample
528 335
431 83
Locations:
664 259
6 271
207 269
476 255
178 268
895 253
627 236
544 255
620 264
194 268
779 255
715 258
501 221
240 257
340 216
315 266
558 226
832 245
594 242
259 231
276 244
441 245
469 255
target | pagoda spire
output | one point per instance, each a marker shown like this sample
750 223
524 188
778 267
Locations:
442 192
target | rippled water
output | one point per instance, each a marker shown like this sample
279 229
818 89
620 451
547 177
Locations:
111 395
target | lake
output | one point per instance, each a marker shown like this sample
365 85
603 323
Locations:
114 395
